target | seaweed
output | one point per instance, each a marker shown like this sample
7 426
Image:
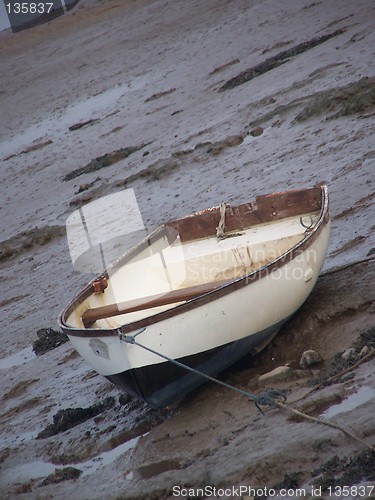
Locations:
48 339
26 240
70 417
346 471
61 475
277 60
103 161
351 99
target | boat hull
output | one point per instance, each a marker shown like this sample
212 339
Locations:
162 384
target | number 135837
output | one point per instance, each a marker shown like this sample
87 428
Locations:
29 7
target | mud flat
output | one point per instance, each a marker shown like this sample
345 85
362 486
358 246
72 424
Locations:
127 94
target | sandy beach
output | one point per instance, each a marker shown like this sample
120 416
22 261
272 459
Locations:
207 102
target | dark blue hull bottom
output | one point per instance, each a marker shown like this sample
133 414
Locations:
165 383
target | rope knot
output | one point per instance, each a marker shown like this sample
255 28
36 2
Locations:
270 397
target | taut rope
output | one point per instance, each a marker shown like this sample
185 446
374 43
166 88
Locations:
269 397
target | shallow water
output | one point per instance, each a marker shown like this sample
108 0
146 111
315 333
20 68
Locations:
106 457
40 469
363 395
11 440
28 471
18 358
150 470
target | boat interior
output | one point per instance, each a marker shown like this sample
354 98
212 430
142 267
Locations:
171 264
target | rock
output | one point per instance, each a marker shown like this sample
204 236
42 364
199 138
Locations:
365 350
302 374
256 131
83 187
279 374
310 358
48 339
346 377
348 353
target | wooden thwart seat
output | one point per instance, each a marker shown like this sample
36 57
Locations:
161 299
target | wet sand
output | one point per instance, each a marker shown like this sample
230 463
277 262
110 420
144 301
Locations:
144 77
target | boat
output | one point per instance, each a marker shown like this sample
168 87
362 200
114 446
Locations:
203 290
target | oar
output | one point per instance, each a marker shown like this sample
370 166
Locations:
161 299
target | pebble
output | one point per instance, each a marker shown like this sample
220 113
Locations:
279 374
348 353
310 358
365 350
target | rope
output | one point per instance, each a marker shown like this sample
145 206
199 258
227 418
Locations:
220 230
269 397
283 406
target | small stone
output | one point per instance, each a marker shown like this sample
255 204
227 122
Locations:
346 377
365 350
83 187
279 374
348 353
256 131
310 358
302 374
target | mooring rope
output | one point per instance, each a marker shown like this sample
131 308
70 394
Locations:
269 397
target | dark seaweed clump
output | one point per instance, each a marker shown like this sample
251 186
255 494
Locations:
356 97
28 239
48 339
103 161
346 471
277 60
61 475
66 419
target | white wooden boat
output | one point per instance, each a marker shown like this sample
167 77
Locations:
205 290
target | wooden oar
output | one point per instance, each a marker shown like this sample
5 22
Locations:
161 299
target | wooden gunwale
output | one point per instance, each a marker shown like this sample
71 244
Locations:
270 208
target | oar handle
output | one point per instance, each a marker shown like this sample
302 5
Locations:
161 299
